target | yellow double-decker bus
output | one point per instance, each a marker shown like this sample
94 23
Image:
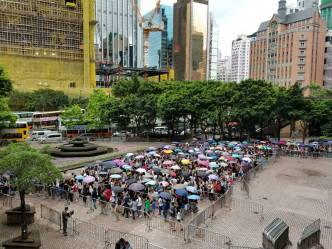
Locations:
14 133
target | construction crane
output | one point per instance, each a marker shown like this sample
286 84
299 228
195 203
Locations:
147 26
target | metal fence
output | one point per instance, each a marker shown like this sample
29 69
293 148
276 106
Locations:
245 187
51 215
310 236
6 201
82 227
135 241
173 227
208 237
247 206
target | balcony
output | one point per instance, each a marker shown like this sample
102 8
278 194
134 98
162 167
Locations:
303 38
301 62
300 70
302 46
302 54
300 77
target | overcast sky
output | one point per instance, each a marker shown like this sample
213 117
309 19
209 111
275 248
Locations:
234 17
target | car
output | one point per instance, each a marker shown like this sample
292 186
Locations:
89 136
51 138
121 134
34 136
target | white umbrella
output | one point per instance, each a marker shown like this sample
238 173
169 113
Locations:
115 176
175 167
140 170
130 154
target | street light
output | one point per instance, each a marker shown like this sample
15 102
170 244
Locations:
80 101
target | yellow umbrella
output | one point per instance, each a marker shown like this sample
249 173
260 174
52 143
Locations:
169 151
185 161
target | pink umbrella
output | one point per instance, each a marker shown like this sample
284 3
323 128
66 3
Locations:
205 163
230 158
168 162
165 184
89 179
202 169
121 163
282 143
117 161
173 173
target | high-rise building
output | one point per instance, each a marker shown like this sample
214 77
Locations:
224 69
240 58
326 12
190 32
289 48
213 48
306 4
161 43
117 35
48 44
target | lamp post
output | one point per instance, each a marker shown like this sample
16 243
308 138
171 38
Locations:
80 101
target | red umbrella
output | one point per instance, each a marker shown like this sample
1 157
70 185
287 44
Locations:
173 173
230 158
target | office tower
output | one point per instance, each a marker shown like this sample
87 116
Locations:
190 32
213 48
240 58
289 48
161 43
224 69
306 4
326 12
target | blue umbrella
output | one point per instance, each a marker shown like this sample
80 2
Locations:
213 165
152 152
165 195
126 167
192 189
193 197
127 157
230 144
235 155
245 142
102 173
116 176
89 165
150 183
275 142
149 149
79 177
181 192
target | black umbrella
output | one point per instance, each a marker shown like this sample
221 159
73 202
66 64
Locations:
108 166
185 174
182 156
131 181
165 195
174 157
201 174
156 169
192 158
117 189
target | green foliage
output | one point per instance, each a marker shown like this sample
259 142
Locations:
6 117
6 84
47 100
28 166
72 116
81 101
47 149
95 114
18 100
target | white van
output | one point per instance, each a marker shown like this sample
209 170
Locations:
161 130
51 138
34 136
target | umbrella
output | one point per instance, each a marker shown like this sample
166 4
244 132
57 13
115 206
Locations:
168 162
165 195
117 161
126 167
201 156
108 165
131 181
148 176
202 169
130 154
117 189
213 177
136 187
116 171
225 154
283 143
141 170
121 163
152 152
115 176
181 192
175 167
174 157
214 165
156 169
156 155
192 189
89 165
179 186
165 171
139 157
224 164
79 177
152 165
150 183
245 142
230 158
173 173
236 156
89 179
102 173
164 183
193 197
201 174
204 163
169 152
185 174
185 161
145 180
67 176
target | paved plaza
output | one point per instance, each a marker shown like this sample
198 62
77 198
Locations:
298 191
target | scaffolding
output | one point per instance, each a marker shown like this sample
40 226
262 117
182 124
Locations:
41 28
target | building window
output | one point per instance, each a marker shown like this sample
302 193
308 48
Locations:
72 85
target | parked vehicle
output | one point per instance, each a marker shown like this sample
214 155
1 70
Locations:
161 130
34 136
51 138
122 134
89 136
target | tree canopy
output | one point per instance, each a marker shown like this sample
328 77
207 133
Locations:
6 83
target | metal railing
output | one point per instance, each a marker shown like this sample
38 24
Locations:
208 237
310 236
135 241
6 201
247 206
82 227
51 215
312 227
245 187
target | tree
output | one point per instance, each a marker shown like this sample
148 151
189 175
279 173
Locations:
96 112
72 116
28 167
6 117
18 100
47 100
6 84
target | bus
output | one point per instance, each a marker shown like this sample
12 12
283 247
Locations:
14 133
25 117
72 132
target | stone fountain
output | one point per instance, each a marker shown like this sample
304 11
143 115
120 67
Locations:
78 148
